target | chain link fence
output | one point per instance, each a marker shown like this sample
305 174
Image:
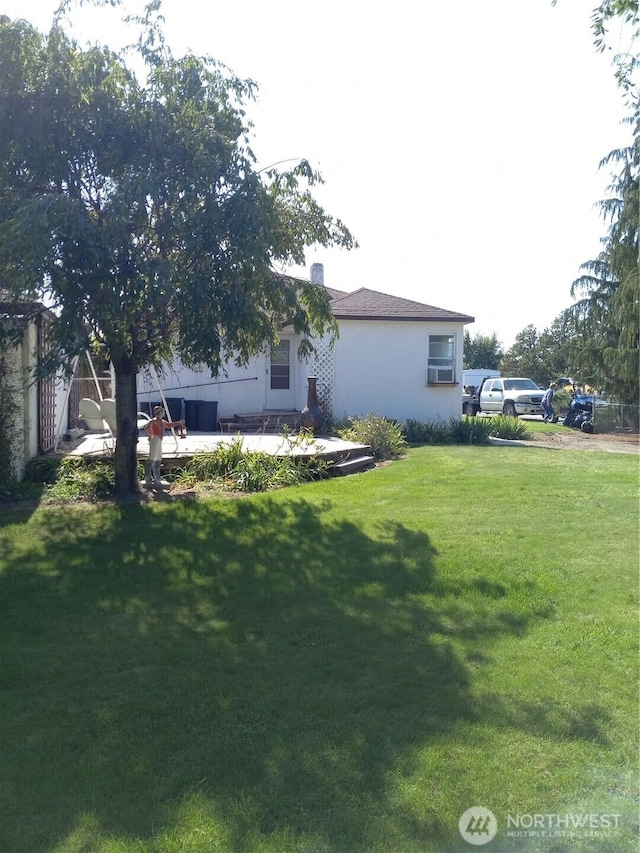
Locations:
609 416
603 415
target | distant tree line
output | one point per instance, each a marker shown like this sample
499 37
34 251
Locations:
541 356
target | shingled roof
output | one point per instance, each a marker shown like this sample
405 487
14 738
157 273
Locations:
332 293
365 304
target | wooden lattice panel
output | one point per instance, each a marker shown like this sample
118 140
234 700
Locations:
325 369
46 396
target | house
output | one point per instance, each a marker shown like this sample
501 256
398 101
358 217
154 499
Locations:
394 357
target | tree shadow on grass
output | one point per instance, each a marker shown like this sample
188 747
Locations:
256 657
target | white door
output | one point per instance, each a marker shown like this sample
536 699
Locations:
280 375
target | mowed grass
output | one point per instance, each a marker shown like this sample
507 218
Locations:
343 666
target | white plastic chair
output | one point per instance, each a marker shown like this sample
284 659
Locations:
92 416
108 410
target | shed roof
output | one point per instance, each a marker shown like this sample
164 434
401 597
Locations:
20 308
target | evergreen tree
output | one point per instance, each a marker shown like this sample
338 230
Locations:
607 316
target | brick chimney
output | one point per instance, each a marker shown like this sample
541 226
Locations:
317 274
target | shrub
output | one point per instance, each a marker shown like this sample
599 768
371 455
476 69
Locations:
9 437
502 426
216 464
465 430
43 470
82 479
435 432
562 401
469 430
259 472
384 437
235 468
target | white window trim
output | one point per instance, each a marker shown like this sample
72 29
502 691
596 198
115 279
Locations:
442 373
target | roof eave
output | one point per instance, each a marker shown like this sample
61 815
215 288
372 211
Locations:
405 319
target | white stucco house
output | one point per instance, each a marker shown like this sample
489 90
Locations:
394 357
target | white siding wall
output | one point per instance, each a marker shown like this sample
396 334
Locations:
381 367
241 390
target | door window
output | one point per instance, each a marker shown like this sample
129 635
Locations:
281 366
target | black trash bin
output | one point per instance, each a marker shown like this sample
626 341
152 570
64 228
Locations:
176 408
174 404
191 414
208 416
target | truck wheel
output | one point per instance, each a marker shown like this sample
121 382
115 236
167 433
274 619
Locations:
509 410
468 410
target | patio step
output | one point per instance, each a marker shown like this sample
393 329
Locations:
352 466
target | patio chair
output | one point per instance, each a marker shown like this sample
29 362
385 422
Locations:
92 416
108 410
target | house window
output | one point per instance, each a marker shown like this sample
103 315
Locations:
441 365
280 366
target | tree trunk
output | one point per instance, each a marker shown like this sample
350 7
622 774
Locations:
126 461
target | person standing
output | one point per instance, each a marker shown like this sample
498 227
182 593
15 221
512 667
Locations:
547 403
155 429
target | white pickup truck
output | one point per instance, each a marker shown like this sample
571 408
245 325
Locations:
511 396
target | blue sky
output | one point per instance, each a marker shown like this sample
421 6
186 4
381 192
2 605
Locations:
460 142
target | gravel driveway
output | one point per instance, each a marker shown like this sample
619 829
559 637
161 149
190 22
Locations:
572 439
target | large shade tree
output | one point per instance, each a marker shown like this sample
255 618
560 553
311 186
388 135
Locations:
131 204
523 357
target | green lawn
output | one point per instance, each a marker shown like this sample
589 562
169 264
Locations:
343 666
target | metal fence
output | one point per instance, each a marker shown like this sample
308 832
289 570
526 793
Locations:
609 416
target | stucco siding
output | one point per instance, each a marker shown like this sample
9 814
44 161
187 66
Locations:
381 367
377 366
240 389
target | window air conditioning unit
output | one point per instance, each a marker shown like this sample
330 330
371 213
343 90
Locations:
440 374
